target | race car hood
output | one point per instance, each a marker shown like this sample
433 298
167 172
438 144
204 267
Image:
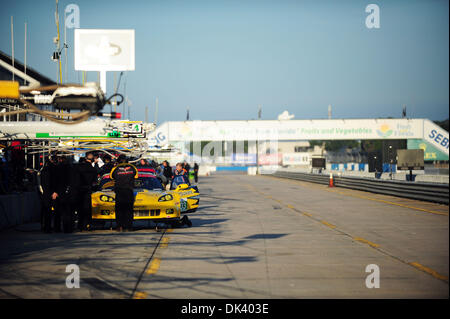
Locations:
145 194
140 194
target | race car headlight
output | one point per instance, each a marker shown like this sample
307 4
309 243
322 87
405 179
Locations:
165 198
106 198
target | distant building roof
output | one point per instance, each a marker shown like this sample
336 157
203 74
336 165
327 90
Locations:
6 70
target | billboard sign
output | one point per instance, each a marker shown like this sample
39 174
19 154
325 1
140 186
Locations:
319 162
431 153
410 160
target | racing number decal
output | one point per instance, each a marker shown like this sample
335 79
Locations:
183 205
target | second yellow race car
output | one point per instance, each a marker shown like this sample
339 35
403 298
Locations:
189 193
152 202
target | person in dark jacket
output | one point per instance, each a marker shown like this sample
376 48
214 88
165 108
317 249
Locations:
60 198
167 170
124 175
87 177
47 176
154 165
187 167
95 161
143 163
108 166
67 189
196 167
165 173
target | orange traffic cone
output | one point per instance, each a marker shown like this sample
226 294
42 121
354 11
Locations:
331 184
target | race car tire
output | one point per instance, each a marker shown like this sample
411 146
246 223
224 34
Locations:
186 221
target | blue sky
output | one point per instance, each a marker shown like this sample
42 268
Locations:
224 58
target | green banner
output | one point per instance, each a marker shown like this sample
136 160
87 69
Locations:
430 153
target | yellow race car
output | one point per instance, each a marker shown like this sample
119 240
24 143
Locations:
152 202
189 193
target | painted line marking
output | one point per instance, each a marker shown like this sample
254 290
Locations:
371 244
151 267
140 295
365 241
328 224
429 271
154 266
165 242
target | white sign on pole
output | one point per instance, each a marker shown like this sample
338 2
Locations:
104 50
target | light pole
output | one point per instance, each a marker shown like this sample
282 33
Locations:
257 142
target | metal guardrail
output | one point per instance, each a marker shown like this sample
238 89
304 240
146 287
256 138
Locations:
430 192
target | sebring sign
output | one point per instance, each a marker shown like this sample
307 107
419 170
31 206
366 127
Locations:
294 130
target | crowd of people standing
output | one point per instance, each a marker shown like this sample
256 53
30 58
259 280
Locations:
67 186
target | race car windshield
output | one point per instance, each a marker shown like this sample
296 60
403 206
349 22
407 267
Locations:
149 183
178 180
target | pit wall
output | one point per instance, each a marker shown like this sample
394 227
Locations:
206 170
20 208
